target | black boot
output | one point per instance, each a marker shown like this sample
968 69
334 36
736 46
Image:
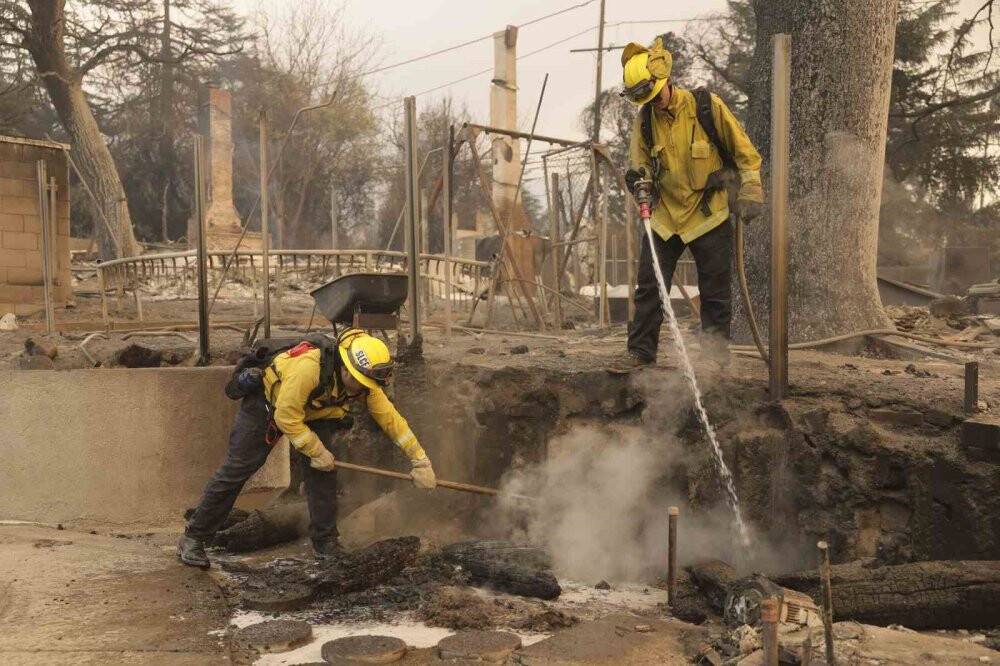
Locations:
191 552
327 548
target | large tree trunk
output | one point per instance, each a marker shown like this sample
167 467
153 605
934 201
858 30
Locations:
45 43
842 54
919 595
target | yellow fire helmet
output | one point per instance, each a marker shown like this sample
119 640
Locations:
645 71
365 357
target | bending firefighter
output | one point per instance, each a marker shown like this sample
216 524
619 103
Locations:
304 393
704 170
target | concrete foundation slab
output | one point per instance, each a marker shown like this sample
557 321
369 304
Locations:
96 599
614 640
123 446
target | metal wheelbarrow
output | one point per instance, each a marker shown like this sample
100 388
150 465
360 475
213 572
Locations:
363 300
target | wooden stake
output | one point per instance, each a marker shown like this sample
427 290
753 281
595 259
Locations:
769 630
672 515
971 387
824 574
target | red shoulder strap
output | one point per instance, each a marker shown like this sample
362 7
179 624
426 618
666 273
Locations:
300 349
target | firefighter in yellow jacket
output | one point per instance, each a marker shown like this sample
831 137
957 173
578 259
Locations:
689 144
292 403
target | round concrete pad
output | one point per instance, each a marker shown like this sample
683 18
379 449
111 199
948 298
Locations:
290 596
274 635
483 645
364 650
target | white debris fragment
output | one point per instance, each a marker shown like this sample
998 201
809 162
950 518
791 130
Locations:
8 322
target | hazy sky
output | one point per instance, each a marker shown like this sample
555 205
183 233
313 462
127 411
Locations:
410 28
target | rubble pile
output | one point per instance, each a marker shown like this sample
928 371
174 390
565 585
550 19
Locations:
948 319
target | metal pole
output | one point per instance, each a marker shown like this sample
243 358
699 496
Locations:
412 212
769 629
827 589
555 252
425 245
672 514
199 203
265 228
44 216
971 387
53 251
447 173
780 113
605 197
334 227
596 134
630 228
602 241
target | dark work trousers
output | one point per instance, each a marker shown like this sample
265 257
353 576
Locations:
246 454
713 259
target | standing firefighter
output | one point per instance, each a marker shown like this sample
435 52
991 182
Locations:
303 393
696 154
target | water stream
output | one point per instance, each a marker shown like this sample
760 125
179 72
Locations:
675 329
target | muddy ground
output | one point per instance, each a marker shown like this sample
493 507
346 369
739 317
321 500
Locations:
865 452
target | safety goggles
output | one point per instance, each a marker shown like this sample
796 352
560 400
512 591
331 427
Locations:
640 91
379 373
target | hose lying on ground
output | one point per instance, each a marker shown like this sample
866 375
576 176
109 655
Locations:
877 332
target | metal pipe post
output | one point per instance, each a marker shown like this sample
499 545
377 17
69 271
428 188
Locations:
412 212
598 82
45 218
780 115
52 254
827 589
672 514
971 387
265 230
199 204
554 254
605 197
769 629
334 227
448 200
630 268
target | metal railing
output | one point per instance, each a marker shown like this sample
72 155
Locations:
118 277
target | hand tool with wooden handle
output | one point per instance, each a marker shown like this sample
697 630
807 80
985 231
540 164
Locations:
441 483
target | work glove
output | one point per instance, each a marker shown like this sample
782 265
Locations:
632 176
323 461
748 205
423 474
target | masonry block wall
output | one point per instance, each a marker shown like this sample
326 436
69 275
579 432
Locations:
21 290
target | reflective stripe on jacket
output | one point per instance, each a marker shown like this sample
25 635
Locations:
290 380
687 158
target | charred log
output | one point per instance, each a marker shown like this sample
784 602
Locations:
919 595
265 528
714 578
506 567
378 563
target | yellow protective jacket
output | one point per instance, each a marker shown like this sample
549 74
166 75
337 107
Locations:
290 380
687 157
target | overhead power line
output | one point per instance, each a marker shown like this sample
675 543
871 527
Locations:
425 56
537 51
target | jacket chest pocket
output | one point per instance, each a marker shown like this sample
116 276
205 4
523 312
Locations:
701 164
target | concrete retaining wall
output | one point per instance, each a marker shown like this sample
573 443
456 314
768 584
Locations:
114 446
